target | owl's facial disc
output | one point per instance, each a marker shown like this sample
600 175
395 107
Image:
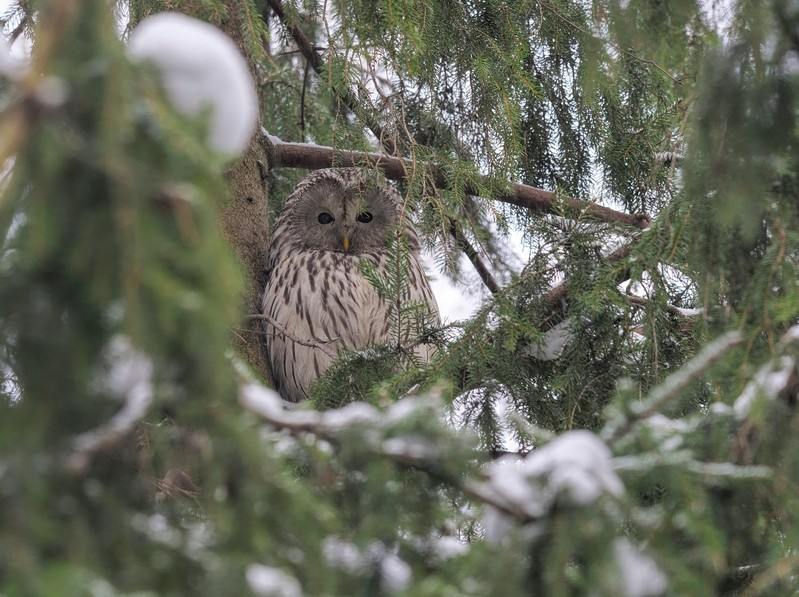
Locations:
350 220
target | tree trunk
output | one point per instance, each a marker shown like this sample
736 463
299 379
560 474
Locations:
244 221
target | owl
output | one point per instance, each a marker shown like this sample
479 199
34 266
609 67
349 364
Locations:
317 302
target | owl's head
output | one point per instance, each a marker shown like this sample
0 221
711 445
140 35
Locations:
344 210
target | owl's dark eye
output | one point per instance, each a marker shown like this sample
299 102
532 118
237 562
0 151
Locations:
325 218
364 217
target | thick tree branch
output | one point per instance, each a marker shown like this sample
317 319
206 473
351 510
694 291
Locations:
302 155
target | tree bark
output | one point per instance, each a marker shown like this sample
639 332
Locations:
244 221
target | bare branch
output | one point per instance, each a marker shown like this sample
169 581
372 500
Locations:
471 253
301 155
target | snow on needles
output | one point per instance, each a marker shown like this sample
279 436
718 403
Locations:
266 581
395 573
201 68
769 381
576 467
640 575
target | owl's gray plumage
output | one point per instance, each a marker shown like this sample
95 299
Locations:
317 302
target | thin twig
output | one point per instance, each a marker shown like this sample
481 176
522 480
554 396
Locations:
18 31
345 95
306 72
282 331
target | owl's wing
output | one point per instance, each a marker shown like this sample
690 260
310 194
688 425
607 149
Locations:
419 291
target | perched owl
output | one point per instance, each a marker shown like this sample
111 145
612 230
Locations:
317 302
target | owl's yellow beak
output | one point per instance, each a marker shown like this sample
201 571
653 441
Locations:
345 242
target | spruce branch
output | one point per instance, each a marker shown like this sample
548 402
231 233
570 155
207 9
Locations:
345 95
326 426
88 445
554 299
672 386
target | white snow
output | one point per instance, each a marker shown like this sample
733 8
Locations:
553 343
720 409
342 554
447 547
395 573
410 406
575 467
412 448
690 312
129 377
266 581
261 400
792 335
640 575
11 66
496 526
201 69
769 381
355 413
52 92
669 433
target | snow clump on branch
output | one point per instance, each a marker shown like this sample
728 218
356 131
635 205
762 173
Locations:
201 68
574 468
266 581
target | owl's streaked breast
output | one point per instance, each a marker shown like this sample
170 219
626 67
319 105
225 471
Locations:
317 303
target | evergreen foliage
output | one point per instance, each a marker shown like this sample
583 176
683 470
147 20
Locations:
617 418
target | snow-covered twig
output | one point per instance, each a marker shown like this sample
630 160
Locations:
686 460
672 386
640 301
128 379
268 405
